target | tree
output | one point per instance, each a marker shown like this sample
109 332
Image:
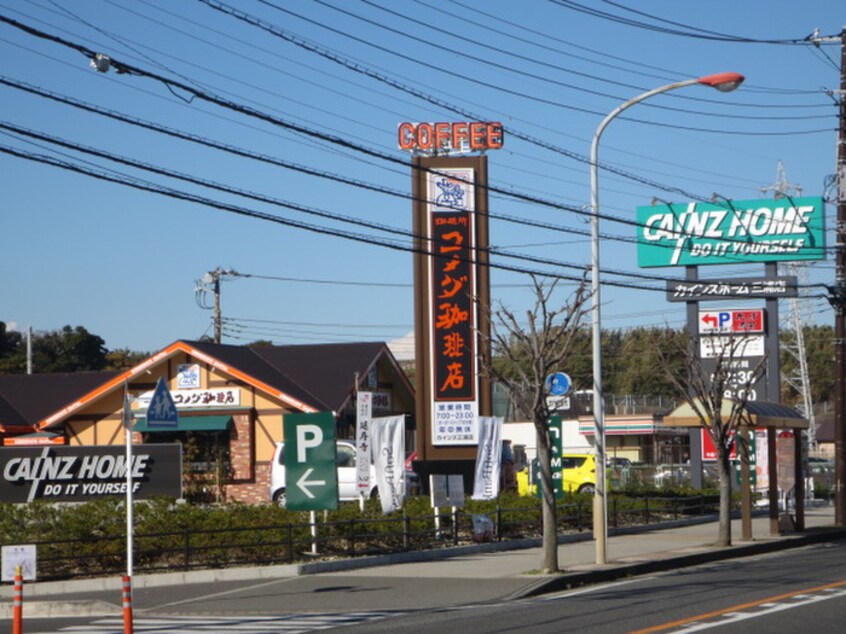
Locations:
707 394
639 356
261 343
523 354
12 351
68 350
819 354
124 358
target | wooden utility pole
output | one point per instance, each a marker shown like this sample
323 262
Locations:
839 302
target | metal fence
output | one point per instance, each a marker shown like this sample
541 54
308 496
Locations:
296 542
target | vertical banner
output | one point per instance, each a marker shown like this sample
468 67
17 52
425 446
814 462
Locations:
388 434
488 458
453 318
363 447
762 462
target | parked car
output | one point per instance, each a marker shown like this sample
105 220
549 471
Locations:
820 466
345 460
623 463
578 472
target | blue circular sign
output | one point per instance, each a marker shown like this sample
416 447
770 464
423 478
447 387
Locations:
558 384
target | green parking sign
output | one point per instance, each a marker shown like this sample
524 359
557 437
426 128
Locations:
311 476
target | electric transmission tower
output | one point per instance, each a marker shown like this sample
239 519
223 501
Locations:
798 379
210 284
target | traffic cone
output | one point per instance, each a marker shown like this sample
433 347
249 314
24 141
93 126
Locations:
127 605
17 603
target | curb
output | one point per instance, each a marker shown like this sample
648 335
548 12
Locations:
568 581
542 586
212 575
48 609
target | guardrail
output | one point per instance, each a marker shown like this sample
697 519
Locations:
294 542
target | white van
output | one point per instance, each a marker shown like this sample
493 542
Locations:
346 473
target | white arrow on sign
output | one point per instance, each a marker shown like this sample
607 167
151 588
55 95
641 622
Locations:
303 483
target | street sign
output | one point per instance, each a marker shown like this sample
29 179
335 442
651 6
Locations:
731 347
311 475
558 403
558 384
731 321
161 412
556 450
739 375
446 490
732 288
709 451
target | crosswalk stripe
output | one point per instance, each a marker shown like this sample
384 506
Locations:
284 624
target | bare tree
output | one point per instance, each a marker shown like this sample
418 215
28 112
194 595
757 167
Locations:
708 393
523 354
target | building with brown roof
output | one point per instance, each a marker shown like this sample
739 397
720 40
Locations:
231 400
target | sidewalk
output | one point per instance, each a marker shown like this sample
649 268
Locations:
636 550
501 571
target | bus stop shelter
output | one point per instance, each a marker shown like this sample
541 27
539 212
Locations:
756 415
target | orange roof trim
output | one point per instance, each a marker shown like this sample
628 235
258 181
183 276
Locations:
160 356
264 387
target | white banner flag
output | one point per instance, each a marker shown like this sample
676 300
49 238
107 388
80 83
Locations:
488 458
363 447
388 434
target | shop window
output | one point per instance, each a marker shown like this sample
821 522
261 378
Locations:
206 462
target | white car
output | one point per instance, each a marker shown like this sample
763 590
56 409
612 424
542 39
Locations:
346 456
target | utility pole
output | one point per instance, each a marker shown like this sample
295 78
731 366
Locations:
218 328
840 318
837 298
29 349
210 282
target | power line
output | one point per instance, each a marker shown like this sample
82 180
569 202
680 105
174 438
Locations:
690 31
290 37
544 78
125 68
121 67
316 212
362 238
667 74
321 173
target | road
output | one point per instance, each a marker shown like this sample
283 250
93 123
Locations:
783 592
777 592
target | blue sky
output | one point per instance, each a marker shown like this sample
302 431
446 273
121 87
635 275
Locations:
123 263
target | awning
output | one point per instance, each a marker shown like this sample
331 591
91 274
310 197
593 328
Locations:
756 414
188 423
38 438
625 426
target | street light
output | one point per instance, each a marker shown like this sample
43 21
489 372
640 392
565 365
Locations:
724 82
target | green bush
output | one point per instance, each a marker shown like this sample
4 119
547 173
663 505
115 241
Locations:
90 538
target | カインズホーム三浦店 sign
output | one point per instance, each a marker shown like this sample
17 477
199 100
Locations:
733 232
